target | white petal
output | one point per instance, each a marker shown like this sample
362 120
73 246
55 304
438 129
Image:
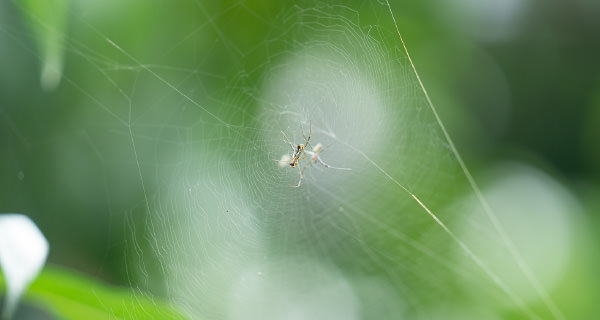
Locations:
23 252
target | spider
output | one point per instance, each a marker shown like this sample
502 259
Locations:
299 153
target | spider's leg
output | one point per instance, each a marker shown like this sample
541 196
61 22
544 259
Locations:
325 148
328 166
288 141
307 139
301 172
322 162
299 181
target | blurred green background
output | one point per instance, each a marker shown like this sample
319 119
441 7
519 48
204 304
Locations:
512 81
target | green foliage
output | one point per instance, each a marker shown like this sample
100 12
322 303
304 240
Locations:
47 21
69 295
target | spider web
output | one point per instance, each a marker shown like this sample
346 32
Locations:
191 131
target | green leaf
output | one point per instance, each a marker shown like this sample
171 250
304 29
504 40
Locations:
48 21
69 295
